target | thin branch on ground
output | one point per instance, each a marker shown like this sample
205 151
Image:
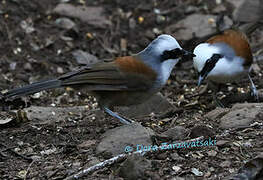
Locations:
119 158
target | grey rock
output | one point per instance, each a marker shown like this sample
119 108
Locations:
216 113
115 140
175 133
157 104
248 11
28 67
201 130
90 15
65 23
236 3
46 115
241 115
134 167
195 25
84 58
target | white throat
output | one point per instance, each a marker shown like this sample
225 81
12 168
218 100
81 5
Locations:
205 51
227 69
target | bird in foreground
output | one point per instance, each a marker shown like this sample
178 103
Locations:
123 81
224 58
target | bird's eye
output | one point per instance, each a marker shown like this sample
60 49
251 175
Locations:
166 55
171 54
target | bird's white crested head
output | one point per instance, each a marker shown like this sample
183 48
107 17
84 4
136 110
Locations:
162 54
153 53
162 43
205 51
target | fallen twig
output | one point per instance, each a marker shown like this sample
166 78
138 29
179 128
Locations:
119 158
98 166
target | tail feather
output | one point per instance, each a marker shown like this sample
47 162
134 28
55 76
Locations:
32 88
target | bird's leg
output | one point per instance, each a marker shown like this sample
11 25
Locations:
253 88
215 87
122 120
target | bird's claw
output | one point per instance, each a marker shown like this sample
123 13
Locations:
254 93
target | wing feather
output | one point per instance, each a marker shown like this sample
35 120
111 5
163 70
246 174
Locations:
110 76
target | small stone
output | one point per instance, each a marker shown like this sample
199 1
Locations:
157 31
28 67
175 133
225 164
176 169
196 172
84 58
35 158
134 167
65 23
76 164
60 70
201 130
12 66
212 153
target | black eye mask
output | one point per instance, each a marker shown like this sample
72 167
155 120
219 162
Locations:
176 53
209 65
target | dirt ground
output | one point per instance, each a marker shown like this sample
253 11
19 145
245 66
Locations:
34 47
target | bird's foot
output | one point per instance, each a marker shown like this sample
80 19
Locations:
253 89
254 93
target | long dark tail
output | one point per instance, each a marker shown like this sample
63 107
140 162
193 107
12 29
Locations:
32 88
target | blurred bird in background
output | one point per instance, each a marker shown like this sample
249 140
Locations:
224 58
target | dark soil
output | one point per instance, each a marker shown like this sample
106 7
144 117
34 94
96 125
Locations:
21 63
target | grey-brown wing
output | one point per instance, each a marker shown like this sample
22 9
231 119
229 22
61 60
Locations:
105 76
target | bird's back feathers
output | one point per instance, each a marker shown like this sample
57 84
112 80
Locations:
237 41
